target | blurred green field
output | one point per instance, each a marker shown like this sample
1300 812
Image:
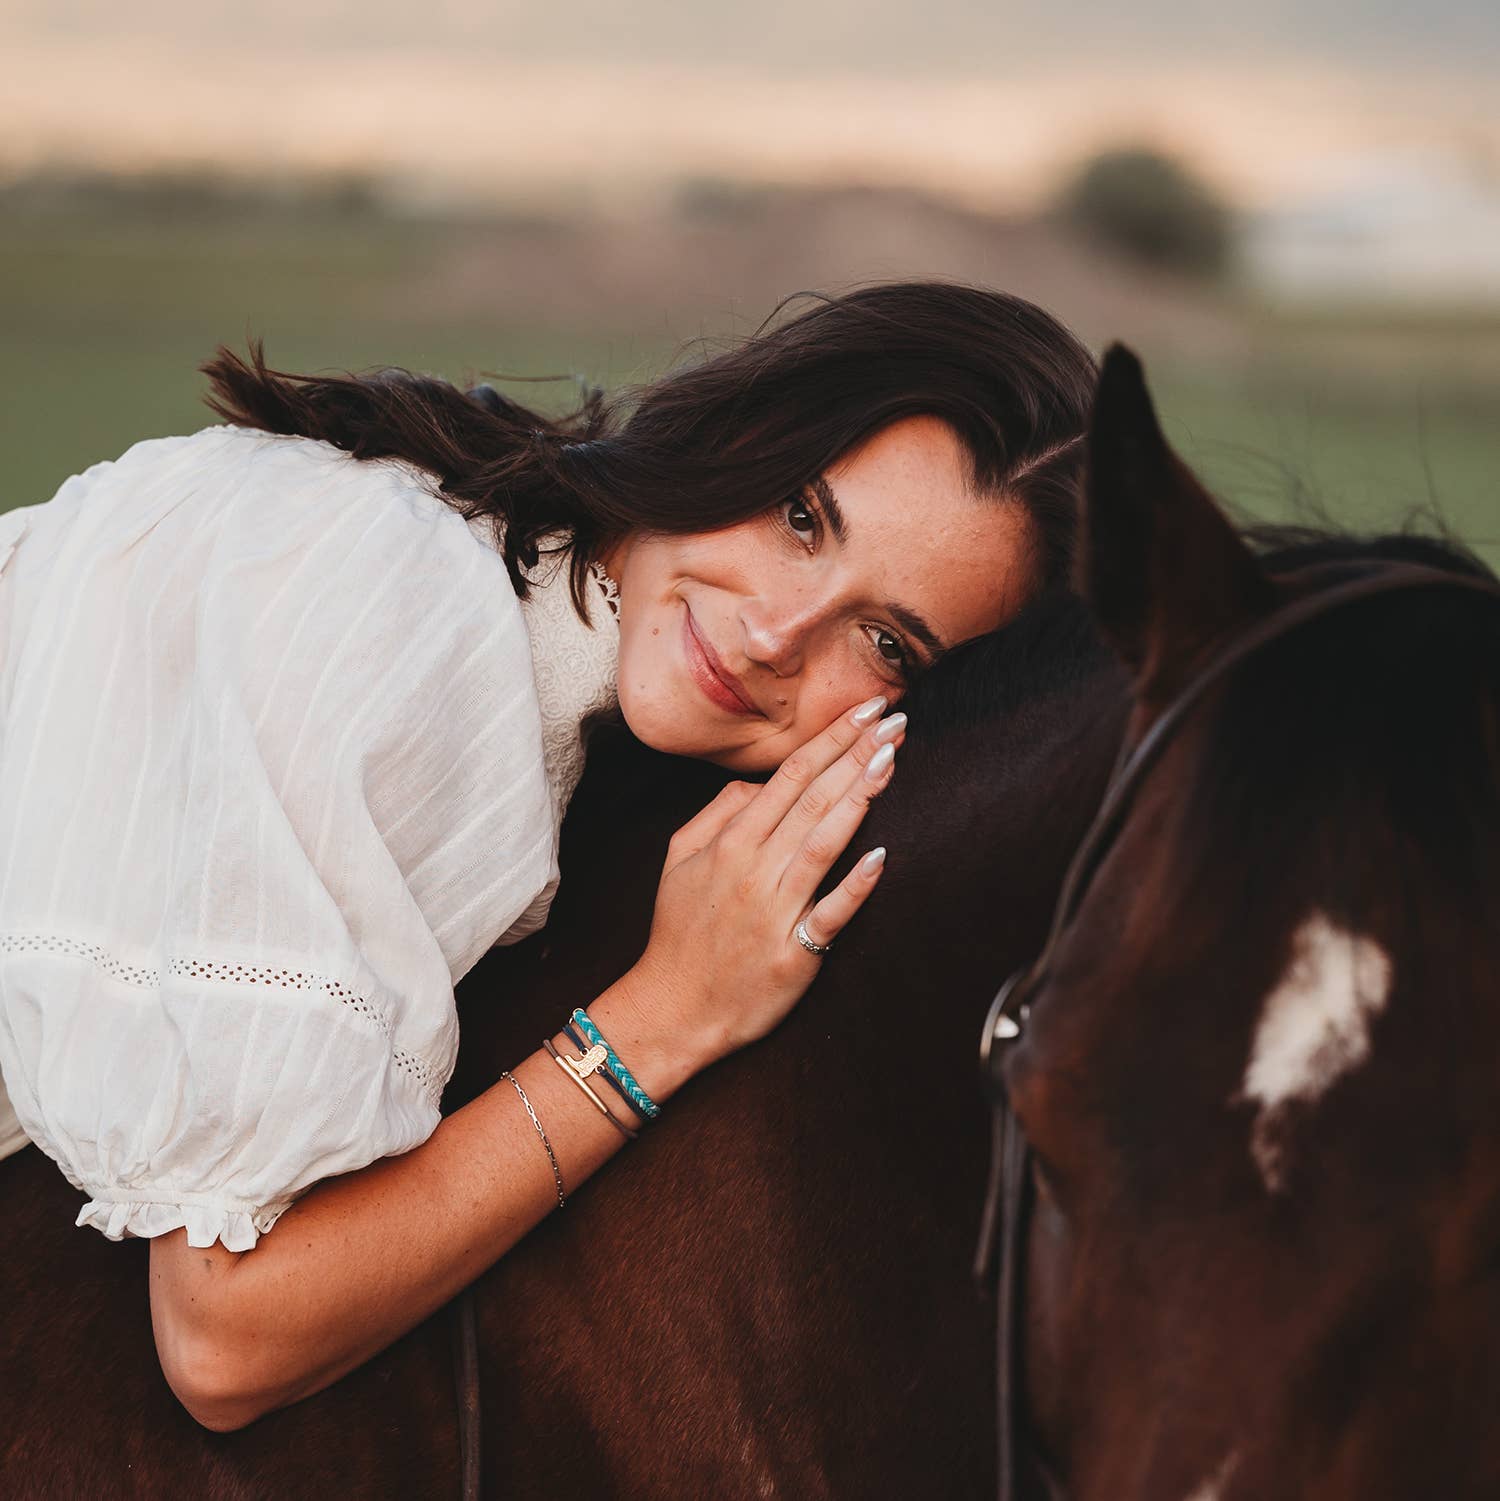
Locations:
102 327
104 316
1281 443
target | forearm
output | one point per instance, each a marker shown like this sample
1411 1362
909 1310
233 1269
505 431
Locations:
360 1259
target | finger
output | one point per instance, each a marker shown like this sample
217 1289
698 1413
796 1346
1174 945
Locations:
829 917
823 795
705 825
803 767
814 857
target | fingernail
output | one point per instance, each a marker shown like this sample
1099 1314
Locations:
872 862
869 712
880 763
888 729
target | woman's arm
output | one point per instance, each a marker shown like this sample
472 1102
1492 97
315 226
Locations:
360 1259
241 1334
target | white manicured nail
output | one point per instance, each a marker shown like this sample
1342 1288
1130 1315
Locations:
880 763
872 862
869 712
888 729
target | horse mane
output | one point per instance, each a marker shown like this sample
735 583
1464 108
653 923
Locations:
1052 647
1286 547
1030 677
1010 741
1362 752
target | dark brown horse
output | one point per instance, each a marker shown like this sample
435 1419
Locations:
1260 1078
769 1294
1236 1287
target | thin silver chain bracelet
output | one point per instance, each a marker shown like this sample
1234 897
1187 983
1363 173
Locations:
556 1173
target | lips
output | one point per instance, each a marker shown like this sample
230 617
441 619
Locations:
719 686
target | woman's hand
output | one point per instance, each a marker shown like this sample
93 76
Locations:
723 966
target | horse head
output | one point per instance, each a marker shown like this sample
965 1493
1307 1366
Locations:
1258 1074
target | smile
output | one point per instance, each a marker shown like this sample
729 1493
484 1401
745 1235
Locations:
705 671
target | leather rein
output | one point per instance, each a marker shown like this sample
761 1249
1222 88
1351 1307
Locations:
1006 1201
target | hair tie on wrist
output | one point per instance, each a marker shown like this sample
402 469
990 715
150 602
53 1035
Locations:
578 1070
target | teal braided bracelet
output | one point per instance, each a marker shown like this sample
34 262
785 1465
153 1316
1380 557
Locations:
622 1075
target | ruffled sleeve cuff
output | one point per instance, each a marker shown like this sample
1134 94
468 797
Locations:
207 1218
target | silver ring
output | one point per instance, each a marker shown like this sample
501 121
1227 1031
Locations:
800 933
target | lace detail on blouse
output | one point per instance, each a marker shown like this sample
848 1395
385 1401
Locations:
576 667
610 588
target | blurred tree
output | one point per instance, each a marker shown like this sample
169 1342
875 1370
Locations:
1144 204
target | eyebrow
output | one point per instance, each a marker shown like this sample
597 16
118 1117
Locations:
909 621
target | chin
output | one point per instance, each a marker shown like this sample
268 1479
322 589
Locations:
668 727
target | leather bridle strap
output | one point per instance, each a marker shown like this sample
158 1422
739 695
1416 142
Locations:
466 1389
1015 1174
1003 1219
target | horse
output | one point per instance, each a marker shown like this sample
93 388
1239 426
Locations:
768 1294
1257 1252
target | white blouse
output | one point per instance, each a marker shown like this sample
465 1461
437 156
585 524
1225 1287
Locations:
281 755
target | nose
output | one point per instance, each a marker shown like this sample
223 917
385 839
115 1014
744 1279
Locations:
777 625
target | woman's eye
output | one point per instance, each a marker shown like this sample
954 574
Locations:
892 649
801 517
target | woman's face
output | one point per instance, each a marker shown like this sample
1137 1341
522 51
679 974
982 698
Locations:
739 645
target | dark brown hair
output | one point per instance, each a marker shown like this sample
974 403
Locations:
717 442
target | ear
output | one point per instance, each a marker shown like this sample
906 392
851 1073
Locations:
1163 569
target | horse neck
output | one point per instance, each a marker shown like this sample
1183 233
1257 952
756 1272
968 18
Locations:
995 817
880 1060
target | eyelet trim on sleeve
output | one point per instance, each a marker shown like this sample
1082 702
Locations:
146 977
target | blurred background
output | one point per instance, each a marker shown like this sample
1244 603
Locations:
1292 210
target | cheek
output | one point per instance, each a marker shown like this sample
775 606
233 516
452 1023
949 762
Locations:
648 673
816 711
831 686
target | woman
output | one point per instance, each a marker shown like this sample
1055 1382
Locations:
289 734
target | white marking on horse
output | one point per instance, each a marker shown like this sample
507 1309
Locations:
1212 1489
1314 1028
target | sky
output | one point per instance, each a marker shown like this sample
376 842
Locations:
980 99
819 36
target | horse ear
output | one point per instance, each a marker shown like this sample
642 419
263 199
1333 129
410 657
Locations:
1163 569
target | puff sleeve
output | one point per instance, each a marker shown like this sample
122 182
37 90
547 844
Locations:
271 781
